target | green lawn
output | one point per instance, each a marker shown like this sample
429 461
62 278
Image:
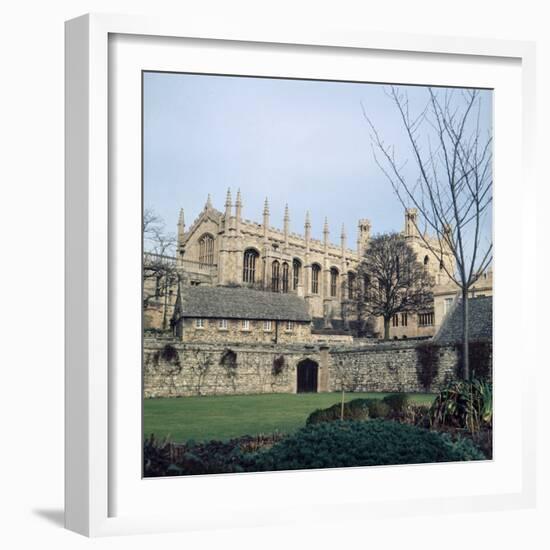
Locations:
224 417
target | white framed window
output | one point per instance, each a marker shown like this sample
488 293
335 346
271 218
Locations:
222 324
245 324
267 326
447 304
289 326
199 323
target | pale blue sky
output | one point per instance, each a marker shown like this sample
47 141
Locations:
299 142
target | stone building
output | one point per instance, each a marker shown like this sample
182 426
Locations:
202 362
447 295
222 248
239 315
480 325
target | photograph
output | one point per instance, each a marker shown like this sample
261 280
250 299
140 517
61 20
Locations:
317 274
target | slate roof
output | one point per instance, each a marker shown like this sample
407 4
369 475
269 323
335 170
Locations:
481 321
241 303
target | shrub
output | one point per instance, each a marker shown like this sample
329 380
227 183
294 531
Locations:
397 402
163 458
352 443
157 458
465 447
324 445
377 408
356 409
464 404
418 415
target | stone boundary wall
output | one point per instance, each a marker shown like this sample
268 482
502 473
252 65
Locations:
392 367
200 369
172 368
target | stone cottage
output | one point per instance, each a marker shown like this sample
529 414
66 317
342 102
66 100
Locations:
239 315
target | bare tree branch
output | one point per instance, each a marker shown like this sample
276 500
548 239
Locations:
452 189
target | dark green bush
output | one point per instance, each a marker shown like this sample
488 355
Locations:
377 408
397 402
335 444
352 443
356 409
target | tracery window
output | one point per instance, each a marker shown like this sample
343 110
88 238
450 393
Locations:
249 265
206 250
285 277
296 267
333 281
315 271
275 272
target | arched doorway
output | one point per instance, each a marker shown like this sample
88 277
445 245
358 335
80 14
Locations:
307 374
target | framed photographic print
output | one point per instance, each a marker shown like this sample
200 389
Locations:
288 259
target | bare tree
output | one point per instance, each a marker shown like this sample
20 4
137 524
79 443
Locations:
159 265
391 280
452 186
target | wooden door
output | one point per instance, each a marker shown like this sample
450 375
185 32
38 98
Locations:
307 376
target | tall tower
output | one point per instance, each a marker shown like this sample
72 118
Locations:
363 236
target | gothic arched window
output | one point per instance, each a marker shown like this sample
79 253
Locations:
315 271
285 277
249 265
275 268
206 250
333 281
296 267
351 285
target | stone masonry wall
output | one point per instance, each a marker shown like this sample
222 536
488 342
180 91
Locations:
172 368
391 367
234 332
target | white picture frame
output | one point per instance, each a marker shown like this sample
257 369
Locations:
93 392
